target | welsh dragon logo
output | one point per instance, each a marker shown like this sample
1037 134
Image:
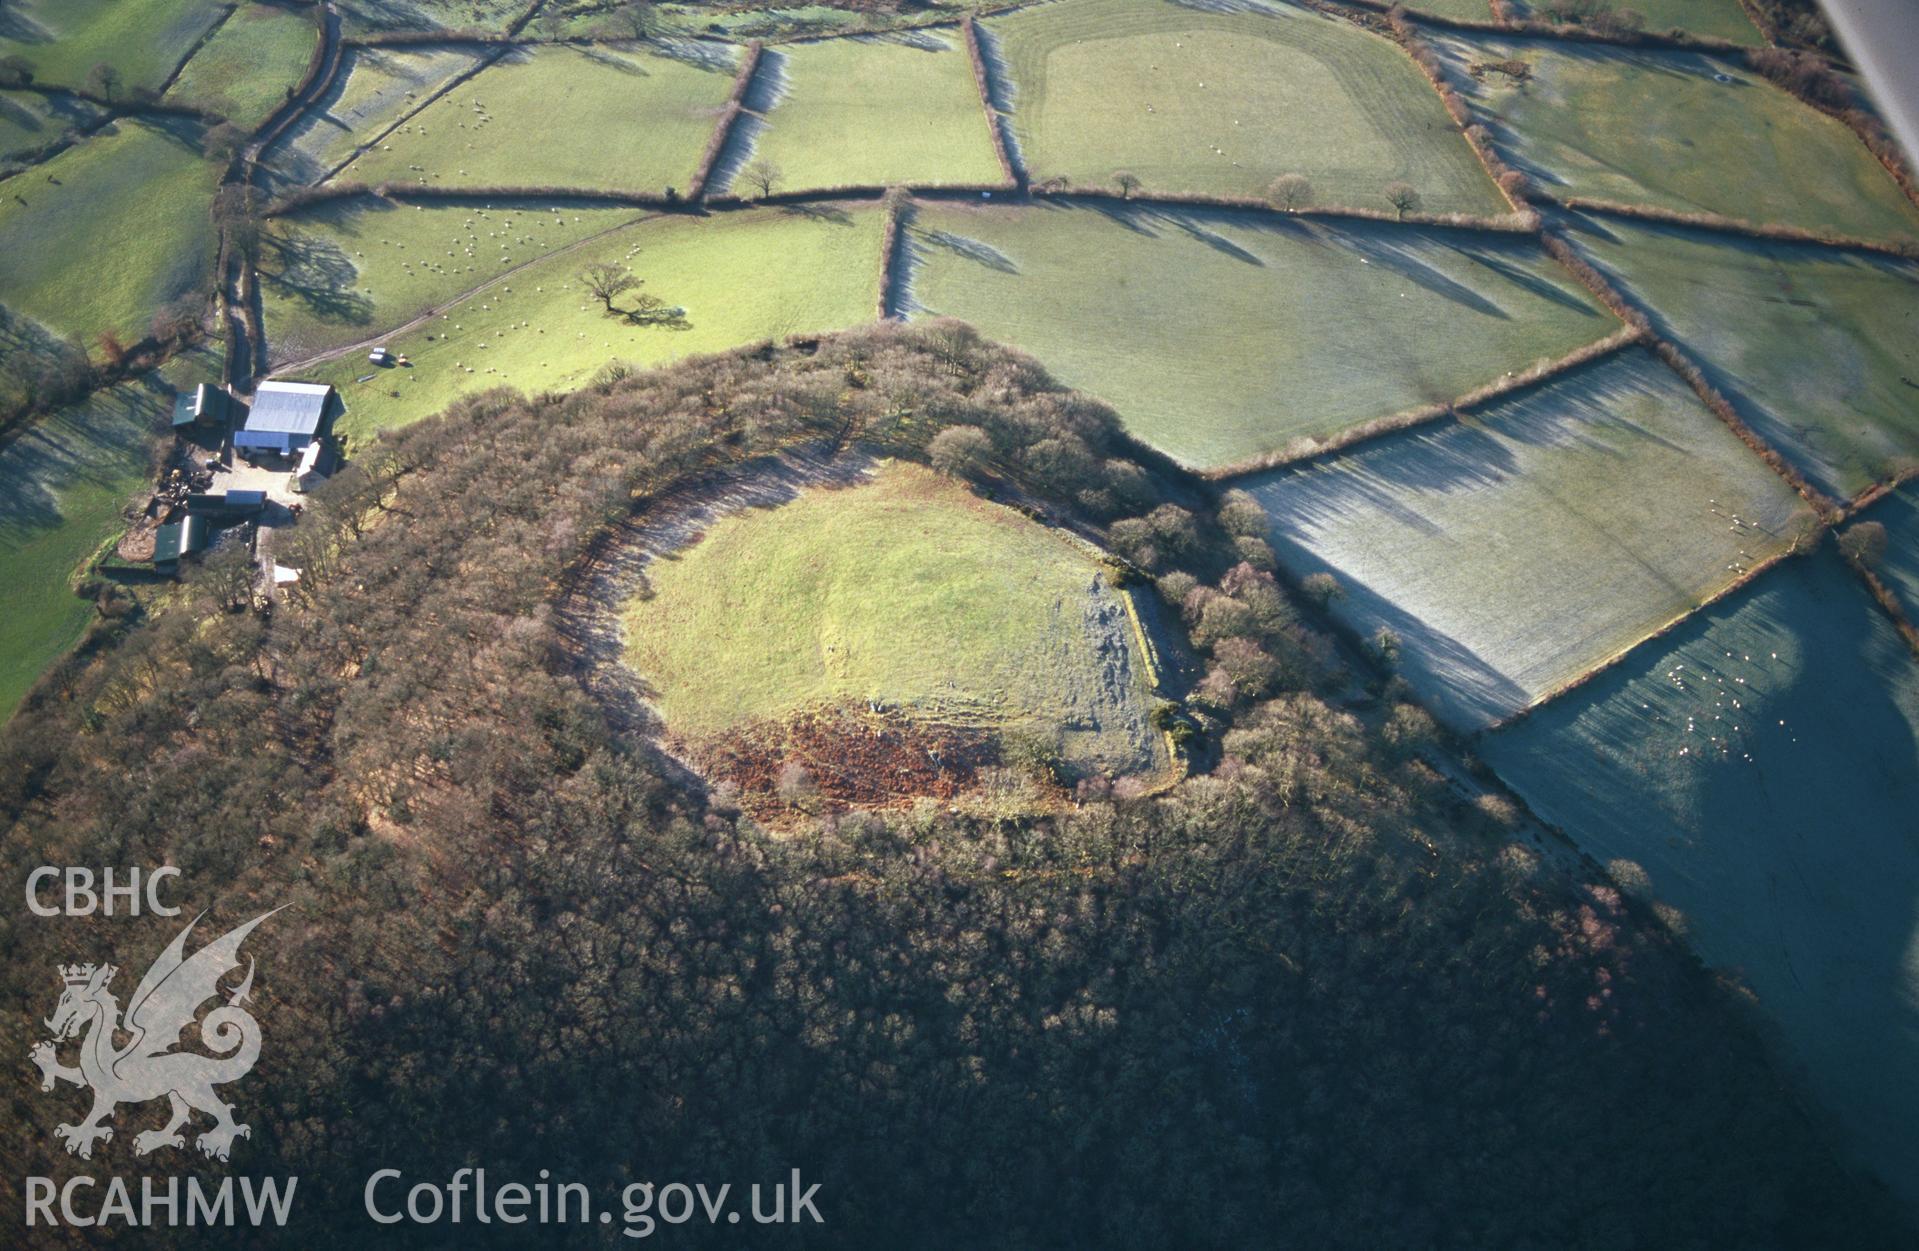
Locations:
148 1066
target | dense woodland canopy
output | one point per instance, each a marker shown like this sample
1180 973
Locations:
1307 998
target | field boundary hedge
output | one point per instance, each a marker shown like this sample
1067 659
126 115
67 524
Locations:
1306 450
1674 37
729 115
1800 546
1510 183
969 35
896 207
1906 250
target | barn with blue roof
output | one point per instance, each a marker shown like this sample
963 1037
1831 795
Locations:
285 417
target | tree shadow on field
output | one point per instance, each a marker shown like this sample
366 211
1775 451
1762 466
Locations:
17 26
318 274
918 40
974 250
701 54
826 214
93 444
619 64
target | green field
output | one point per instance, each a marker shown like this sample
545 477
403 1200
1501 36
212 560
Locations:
363 17
339 272
1818 349
244 72
740 277
1464 10
375 88
30 121
63 483
907 591
872 112
1759 767
1517 549
143 39
1657 128
635 121
1195 100
124 231
1224 336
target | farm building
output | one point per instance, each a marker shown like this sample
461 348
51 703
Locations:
205 405
285 418
182 538
227 503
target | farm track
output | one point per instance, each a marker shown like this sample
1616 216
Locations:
308 362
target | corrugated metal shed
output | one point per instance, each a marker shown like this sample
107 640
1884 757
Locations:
182 538
285 415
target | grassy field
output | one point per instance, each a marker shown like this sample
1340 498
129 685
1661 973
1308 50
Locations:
63 483
1223 336
1518 548
374 88
1818 349
65 39
636 121
363 17
339 272
244 71
1759 769
740 277
125 230
1206 101
1464 10
907 590
870 112
1659 128
29 120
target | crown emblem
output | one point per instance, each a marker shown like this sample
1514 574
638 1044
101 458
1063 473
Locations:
76 974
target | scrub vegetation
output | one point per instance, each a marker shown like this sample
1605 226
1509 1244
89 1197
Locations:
1315 936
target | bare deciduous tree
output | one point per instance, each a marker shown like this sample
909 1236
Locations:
1403 197
1127 182
104 79
606 281
761 176
1291 192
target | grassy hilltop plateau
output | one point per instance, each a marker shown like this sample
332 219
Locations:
1099 622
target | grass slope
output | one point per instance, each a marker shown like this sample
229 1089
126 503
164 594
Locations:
1516 549
365 17
126 230
1819 349
143 39
246 69
907 590
1658 128
870 112
1223 336
29 120
1207 101
634 121
342 271
374 88
1760 768
63 483
740 277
